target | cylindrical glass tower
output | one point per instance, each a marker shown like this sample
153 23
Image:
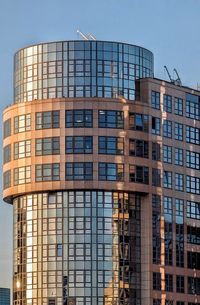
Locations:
66 172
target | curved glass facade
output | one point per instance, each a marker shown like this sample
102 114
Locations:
77 247
79 69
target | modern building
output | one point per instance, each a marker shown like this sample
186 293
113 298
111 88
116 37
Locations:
101 164
4 296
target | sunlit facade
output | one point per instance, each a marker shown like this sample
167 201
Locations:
101 164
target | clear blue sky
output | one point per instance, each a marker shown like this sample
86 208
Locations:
169 28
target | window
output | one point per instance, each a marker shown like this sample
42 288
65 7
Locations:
178 106
51 301
111 172
156 177
167 103
180 285
156 302
22 123
192 185
138 122
156 236
179 182
179 156
167 154
47 119
155 151
59 250
192 106
22 149
78 145
47 172
156 281
7 128
155 100
167 128
47 146
193 260
139 148
22 175
179 203
6 179
139 174
193 285
193 209
192 135
181 303
193 235
111 145
192 159
79 171
179 131
111 119
168 282
7 154
155 125
168 208
78 118
168 179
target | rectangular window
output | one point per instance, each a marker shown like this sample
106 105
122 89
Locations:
178 131
7 128
22 149
193 285
47 119
192 135
6 179
156 281
167 129
179 156
79 171
180 285
192 159
47 172
168 282
168 179
22 123
111 172
111 145
155 151
179 203
111 119
138 122
179 182
193 210
192 106
167 154
139 148
155 99
168 209
167 103
78 118
47 146
51 301
7 154
22 175
156 177
156 302
156 221
178 106
193 235
59 250
155 125
192 185
139 174
193 260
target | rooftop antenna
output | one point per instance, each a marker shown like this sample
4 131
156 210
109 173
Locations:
178 80
83 35
169 75
91 36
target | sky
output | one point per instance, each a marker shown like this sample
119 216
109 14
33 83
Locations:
169 28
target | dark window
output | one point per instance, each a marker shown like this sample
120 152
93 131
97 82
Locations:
138 122
179 156
192 159
156 177
47 119
167 103
192 106
181 303
78 145
7 128
22 123
168 179
139 174
111 172
169 302
155 100
167 128
179 182
192 135
78 118
47 172
194 285
192 185
7 154
178 106
156 302
111 145
178 132
155 151
193 235
180 285
111 119
168 282
193 260
6 179
156 236
193 209
156 281
155 125
79 171
51 301
47 146
167 154
139 148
